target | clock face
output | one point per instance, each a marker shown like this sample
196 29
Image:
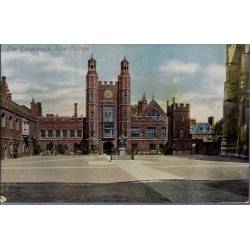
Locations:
108 94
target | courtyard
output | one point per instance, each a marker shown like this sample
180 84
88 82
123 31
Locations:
147 179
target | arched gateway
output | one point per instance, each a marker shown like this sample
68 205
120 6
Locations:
108 147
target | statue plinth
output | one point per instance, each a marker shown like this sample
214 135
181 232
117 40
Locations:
122 152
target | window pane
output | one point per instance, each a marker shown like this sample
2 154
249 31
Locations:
135 132
42 133
50 133
151 132
72 133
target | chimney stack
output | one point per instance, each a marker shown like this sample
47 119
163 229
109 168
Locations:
75 114
211 120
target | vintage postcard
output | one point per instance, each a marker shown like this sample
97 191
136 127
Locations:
124 124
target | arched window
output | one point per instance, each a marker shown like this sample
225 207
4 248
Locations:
181 133
3 120
153 113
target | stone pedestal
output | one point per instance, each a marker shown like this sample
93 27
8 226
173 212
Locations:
122 152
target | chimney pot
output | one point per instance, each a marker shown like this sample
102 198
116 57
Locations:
75 114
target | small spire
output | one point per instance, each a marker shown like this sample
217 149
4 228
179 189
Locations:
91 55
153 97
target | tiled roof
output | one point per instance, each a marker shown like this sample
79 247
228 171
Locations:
202 128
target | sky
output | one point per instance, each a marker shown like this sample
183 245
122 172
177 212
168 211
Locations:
55 74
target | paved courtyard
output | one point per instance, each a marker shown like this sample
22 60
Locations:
146 179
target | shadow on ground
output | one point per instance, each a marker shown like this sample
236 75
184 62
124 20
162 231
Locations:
214 158
167 191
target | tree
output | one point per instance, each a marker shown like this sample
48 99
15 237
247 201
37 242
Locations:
60 149
219 129
134 109
36 147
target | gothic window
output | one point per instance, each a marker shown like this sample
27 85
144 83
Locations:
181 133
163 132
108 118
153 113
25 127
11 122
17 124
79 133
125 97
3 120
42 133
65 133
72 133
50 133
182 118
135 132
57 133
151 132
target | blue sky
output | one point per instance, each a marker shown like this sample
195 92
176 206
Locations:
55 74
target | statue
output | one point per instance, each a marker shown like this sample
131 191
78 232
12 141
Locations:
122 141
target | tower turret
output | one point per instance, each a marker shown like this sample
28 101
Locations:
92 117
124 110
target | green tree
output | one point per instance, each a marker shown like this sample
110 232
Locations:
134 109
36 147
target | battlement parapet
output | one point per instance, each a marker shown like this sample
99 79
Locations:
107 83
180 107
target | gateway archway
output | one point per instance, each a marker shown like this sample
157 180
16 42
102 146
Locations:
108 147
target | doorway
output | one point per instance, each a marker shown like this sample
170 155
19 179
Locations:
108 147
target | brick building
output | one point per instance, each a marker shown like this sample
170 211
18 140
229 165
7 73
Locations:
108 117
179 137
108 114
18 126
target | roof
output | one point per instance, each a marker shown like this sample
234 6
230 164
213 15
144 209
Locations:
202 128
153 105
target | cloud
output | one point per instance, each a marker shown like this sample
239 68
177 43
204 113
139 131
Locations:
175 67
213 79
207 98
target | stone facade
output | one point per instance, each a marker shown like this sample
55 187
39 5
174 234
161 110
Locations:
236 101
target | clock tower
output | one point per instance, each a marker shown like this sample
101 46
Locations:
124 106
